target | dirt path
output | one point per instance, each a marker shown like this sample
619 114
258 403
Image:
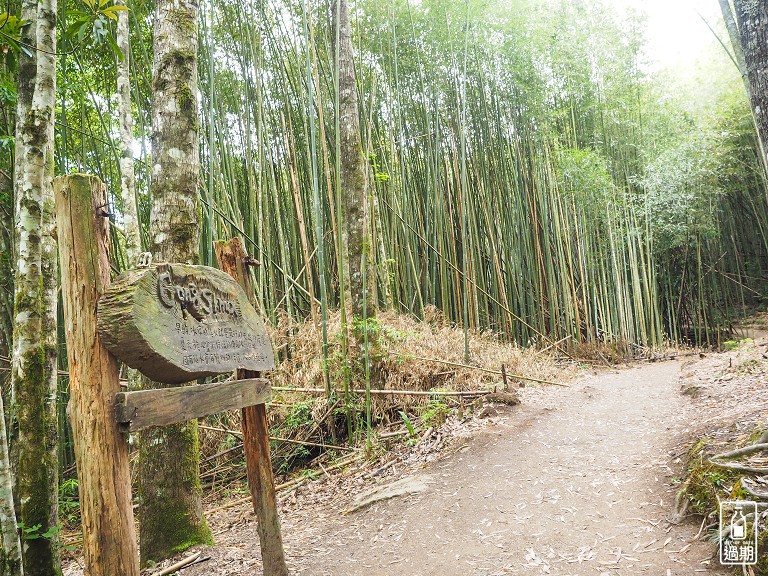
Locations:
580 486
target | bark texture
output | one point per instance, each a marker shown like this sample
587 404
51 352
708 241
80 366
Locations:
738 56
752 18
175 153
127 176
10 549
170 508
34 369
231 257
353 164
10 554
109 534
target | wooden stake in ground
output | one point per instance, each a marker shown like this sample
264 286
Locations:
232 260
109 534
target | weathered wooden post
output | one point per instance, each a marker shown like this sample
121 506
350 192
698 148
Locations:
109 533
232 260
176 323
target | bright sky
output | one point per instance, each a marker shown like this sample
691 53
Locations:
676 33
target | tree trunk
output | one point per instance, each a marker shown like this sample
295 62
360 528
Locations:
6 244
170 508
752 18
109 534
231 257
353 168
738 55
127 177
353 172
10 555
34 369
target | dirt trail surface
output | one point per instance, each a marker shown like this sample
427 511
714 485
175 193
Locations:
574 483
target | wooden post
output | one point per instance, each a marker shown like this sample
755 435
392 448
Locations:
233 260
109 533
504 377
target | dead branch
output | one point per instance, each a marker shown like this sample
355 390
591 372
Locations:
171 569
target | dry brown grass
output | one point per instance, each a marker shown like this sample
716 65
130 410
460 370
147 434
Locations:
405 358
409 354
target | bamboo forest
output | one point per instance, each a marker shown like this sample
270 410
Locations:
418 287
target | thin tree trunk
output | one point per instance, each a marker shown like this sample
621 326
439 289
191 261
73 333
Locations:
34 369
10 555
353 168
127 177
752 18
6 250
170 508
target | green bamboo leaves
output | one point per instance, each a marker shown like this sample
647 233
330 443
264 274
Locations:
524 175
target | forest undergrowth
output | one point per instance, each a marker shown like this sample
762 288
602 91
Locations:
421 362
721 456
434 393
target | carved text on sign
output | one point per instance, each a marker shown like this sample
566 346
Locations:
200 302
177 322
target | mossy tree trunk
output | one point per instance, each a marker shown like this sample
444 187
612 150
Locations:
353 169
739 60
10 554
34 367
752 18
127 175
10 551
170 509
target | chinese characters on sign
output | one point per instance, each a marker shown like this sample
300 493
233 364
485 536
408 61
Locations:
738 533
177 322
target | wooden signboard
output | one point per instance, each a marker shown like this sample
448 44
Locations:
177 322
174 323
160 407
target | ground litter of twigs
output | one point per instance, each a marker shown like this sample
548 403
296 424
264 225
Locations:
574 481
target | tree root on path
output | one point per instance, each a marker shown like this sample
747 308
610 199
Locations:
681 505
749 486
751 449
745 451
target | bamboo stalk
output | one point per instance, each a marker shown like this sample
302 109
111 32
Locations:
468 393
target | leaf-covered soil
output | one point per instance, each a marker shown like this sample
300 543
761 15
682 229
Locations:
574 481
730 393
